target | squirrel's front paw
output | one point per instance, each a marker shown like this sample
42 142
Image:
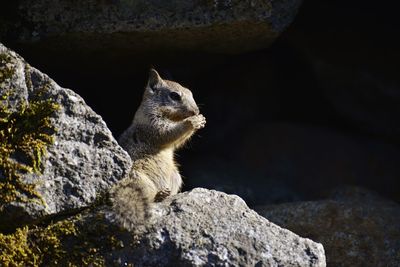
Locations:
197 121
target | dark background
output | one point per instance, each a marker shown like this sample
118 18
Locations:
316 110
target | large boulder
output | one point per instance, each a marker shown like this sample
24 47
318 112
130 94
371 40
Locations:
137 25
356 227
197 228
204 227
57 154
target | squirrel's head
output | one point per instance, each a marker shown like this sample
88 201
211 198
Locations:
169 99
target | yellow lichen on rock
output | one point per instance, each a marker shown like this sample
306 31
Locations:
15 249
33 247
25 133
69 242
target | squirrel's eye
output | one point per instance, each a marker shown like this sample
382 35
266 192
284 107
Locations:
175 96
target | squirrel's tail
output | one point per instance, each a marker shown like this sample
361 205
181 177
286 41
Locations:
131 203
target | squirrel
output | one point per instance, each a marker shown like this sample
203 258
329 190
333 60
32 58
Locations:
166 118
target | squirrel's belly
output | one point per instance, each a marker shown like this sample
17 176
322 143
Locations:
171 181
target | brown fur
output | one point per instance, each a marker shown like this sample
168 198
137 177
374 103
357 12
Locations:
160 126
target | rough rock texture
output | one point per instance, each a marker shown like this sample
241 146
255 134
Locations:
356 227
209 227
81 160
219 26
196 228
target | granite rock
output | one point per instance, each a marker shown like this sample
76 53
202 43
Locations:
217 26
196 228
356 227
80 159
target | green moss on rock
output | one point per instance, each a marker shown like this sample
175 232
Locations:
25 133
15 249
92 242
75 241
6 68
34 247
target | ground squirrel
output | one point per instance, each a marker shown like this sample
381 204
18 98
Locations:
166 118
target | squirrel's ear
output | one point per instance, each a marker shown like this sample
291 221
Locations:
154 78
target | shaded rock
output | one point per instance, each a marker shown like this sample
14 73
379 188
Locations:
197 228
218 26
359 76
363 97
57 153
356 227
286 162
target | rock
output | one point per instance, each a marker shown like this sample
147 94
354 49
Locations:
57 154
217 26
356 227
197 228
287 162
363 97
204 227
356 71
